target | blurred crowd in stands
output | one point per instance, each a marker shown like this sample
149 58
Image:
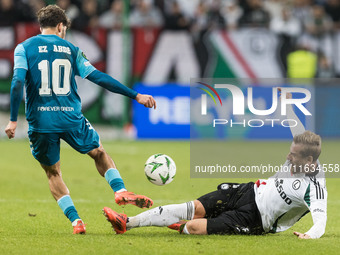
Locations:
306 20
290 17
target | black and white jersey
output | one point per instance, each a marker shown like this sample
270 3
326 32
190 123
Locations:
285 198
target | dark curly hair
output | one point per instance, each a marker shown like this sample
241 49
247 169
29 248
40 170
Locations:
51 16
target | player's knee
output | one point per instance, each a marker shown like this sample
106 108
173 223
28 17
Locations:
199 210
98 153
197 227
52 173
192 228
101 153
189 227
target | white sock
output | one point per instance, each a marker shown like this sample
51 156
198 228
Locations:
163 215
121 190
185 230
74 223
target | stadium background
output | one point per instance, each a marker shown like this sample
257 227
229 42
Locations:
156 46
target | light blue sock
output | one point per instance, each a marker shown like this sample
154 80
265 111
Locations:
114 179
66 204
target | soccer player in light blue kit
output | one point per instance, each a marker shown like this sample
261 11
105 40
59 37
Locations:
48 64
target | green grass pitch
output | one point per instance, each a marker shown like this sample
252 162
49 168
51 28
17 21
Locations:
32 223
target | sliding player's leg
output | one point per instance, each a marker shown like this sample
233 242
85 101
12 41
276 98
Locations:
229 210
243 221
211 205
161 216
229 222
45 148
199 213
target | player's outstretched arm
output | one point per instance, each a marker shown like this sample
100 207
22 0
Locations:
17 87
318 229
299 127
106 81
318 208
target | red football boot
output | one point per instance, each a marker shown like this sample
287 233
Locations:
79 228
118 221
126 197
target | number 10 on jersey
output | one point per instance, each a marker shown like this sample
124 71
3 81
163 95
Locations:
56 70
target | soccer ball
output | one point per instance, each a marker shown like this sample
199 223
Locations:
160 169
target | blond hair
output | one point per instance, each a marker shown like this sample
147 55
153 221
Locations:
311 142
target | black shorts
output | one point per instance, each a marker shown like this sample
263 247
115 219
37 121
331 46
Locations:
232 209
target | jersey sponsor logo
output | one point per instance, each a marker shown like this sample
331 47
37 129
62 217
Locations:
296 184
283 195
42 49
55 109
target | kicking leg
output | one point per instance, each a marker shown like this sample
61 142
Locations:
102 160
61 194
107 168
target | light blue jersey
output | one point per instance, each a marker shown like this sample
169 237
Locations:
52 101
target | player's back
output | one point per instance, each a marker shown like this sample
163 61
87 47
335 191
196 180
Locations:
52 101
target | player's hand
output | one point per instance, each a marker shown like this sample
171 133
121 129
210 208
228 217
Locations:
302 236
10 129
288 95
146 100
